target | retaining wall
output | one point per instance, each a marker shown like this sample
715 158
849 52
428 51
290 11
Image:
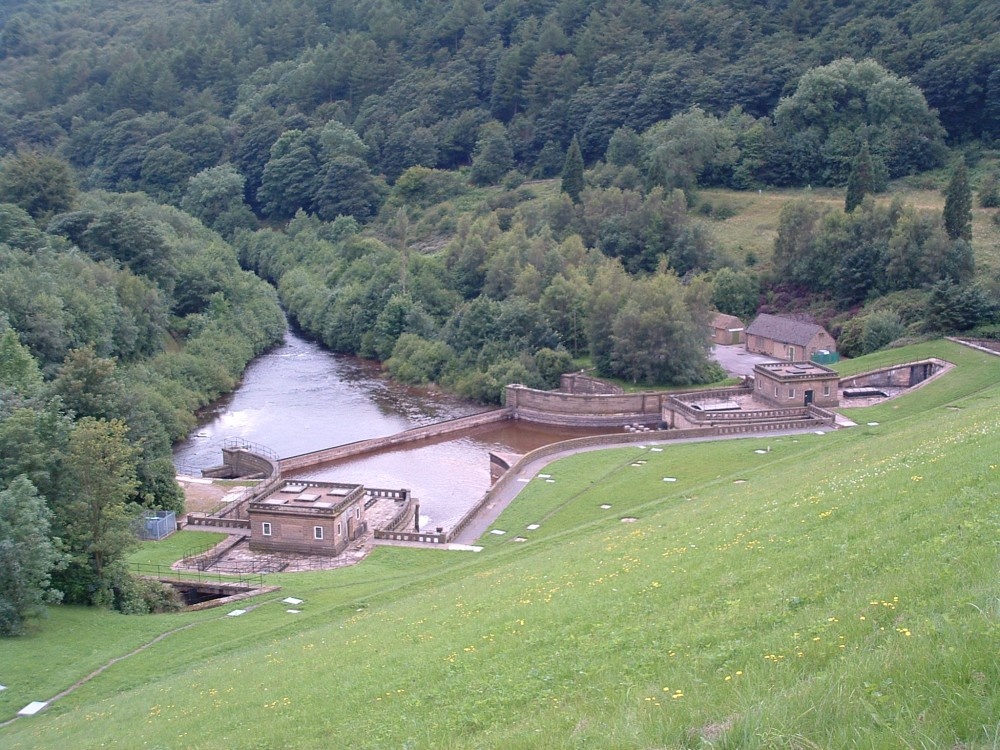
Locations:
412 536
216 522
681 415
821 417
898 376
439 429
583 409
577 382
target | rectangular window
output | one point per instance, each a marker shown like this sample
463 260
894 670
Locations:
791 393
338 528
775 391
760 385
357 512
317 532
826 389
265 529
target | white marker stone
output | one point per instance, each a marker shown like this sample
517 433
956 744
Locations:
32 708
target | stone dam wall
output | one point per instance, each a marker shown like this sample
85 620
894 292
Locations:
438 429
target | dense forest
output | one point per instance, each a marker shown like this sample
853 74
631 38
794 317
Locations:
473 194
117 322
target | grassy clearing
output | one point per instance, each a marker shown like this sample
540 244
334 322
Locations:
753 227
176 546
836 590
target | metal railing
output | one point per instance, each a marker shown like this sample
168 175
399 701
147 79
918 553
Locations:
237 443
166 573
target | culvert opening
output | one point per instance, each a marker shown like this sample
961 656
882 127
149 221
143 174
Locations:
201 594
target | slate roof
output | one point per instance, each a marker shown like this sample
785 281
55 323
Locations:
727 322
784 330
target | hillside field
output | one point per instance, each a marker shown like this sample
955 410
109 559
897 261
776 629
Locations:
753 225
809 591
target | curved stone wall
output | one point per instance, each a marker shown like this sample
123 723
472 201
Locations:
583 409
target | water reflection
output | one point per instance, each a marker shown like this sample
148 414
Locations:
299 398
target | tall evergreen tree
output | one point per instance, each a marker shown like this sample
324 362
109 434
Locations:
572 174
861 180
958 204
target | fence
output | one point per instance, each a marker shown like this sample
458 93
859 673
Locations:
239 444
155 525
166 574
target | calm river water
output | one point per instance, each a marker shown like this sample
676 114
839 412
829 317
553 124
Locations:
299 398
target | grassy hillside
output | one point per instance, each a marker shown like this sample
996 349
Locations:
753 223
836 590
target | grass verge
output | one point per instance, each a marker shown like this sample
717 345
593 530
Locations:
836 590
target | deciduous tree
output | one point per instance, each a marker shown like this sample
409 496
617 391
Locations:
41 185
28 555
94 518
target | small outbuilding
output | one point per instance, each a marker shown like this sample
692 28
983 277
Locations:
308 517
788 384
784 338
727 330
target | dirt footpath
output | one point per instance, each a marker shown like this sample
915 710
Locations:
202 495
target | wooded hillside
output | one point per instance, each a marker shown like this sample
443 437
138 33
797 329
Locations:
473 194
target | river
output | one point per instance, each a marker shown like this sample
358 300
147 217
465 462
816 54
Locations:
299 397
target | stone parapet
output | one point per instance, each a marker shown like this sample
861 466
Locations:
583 409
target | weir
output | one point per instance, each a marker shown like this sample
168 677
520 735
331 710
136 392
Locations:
581 403
588 409
304 461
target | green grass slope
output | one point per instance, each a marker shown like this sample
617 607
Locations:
835 590
753 223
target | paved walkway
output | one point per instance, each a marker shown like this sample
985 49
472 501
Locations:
737 361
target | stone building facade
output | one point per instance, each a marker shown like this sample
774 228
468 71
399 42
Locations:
788 384
308 517
787 339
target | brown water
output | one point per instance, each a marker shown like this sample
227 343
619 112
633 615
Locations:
299 398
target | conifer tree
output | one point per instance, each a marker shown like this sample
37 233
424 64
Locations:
572 174
958 205
861 180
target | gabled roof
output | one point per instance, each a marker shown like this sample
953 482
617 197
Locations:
784 330
727 322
